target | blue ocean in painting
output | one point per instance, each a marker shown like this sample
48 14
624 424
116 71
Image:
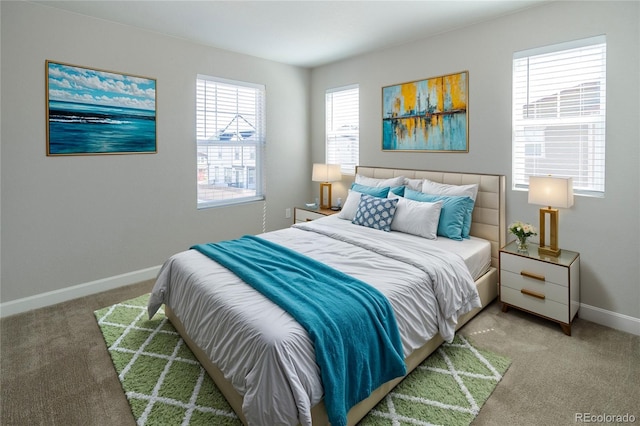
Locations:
76 128
448 134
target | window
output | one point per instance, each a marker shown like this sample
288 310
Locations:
559 110
230 129
342 115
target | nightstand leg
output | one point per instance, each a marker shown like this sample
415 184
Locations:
566 328
505 307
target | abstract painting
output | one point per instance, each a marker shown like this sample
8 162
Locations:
91 112
426 115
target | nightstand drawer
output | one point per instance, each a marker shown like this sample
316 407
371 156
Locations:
306 215
545 307
523 283
535 269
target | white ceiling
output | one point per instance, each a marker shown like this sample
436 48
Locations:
303 33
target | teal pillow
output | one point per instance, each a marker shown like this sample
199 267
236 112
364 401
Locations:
374 191
466 228
375 212
398 190
454 213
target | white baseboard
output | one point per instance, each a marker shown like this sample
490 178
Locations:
600 316
610 319
57 296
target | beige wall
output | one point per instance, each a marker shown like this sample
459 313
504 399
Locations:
604 230
67 221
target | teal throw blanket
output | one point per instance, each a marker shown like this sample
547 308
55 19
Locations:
351 324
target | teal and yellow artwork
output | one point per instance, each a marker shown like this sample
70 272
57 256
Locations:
426 115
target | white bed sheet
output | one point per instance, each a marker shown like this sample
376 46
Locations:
265 353
475 251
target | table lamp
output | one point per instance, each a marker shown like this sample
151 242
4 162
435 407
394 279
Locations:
553 192
326 173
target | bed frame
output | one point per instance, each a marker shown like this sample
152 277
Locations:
488 223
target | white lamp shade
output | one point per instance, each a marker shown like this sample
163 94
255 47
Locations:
551 191
326 172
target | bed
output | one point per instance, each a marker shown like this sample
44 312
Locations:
263 360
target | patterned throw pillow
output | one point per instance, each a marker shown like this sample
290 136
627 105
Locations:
376 213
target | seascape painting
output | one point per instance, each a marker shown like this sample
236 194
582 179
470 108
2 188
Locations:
91 112
426 115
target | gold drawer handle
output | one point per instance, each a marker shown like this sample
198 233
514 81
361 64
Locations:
532 275
533 293
309 220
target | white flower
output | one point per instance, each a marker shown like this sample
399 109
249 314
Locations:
522 230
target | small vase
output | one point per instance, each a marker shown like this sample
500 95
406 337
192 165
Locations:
523 246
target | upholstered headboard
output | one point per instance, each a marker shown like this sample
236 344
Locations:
488 221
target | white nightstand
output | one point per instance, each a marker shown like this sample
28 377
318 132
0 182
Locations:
304 214
542 285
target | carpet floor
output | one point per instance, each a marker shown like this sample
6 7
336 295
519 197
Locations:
55 369
165 384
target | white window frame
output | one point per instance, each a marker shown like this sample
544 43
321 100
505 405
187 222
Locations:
342 127
559 114
230 141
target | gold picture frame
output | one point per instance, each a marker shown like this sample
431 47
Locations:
429 115
97 112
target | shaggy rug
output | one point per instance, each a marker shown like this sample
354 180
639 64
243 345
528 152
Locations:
165 384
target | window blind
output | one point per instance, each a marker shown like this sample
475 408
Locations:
559 111
230 131
342 115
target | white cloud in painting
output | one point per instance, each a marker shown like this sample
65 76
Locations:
75 84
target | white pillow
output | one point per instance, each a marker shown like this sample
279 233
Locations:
369 181
435 188
350 206
417 218
415 184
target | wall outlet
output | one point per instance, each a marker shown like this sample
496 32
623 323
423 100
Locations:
287 213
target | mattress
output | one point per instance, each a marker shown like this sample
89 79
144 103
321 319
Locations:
267 355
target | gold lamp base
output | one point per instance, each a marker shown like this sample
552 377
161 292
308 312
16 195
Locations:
552 249
325 203
548 251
